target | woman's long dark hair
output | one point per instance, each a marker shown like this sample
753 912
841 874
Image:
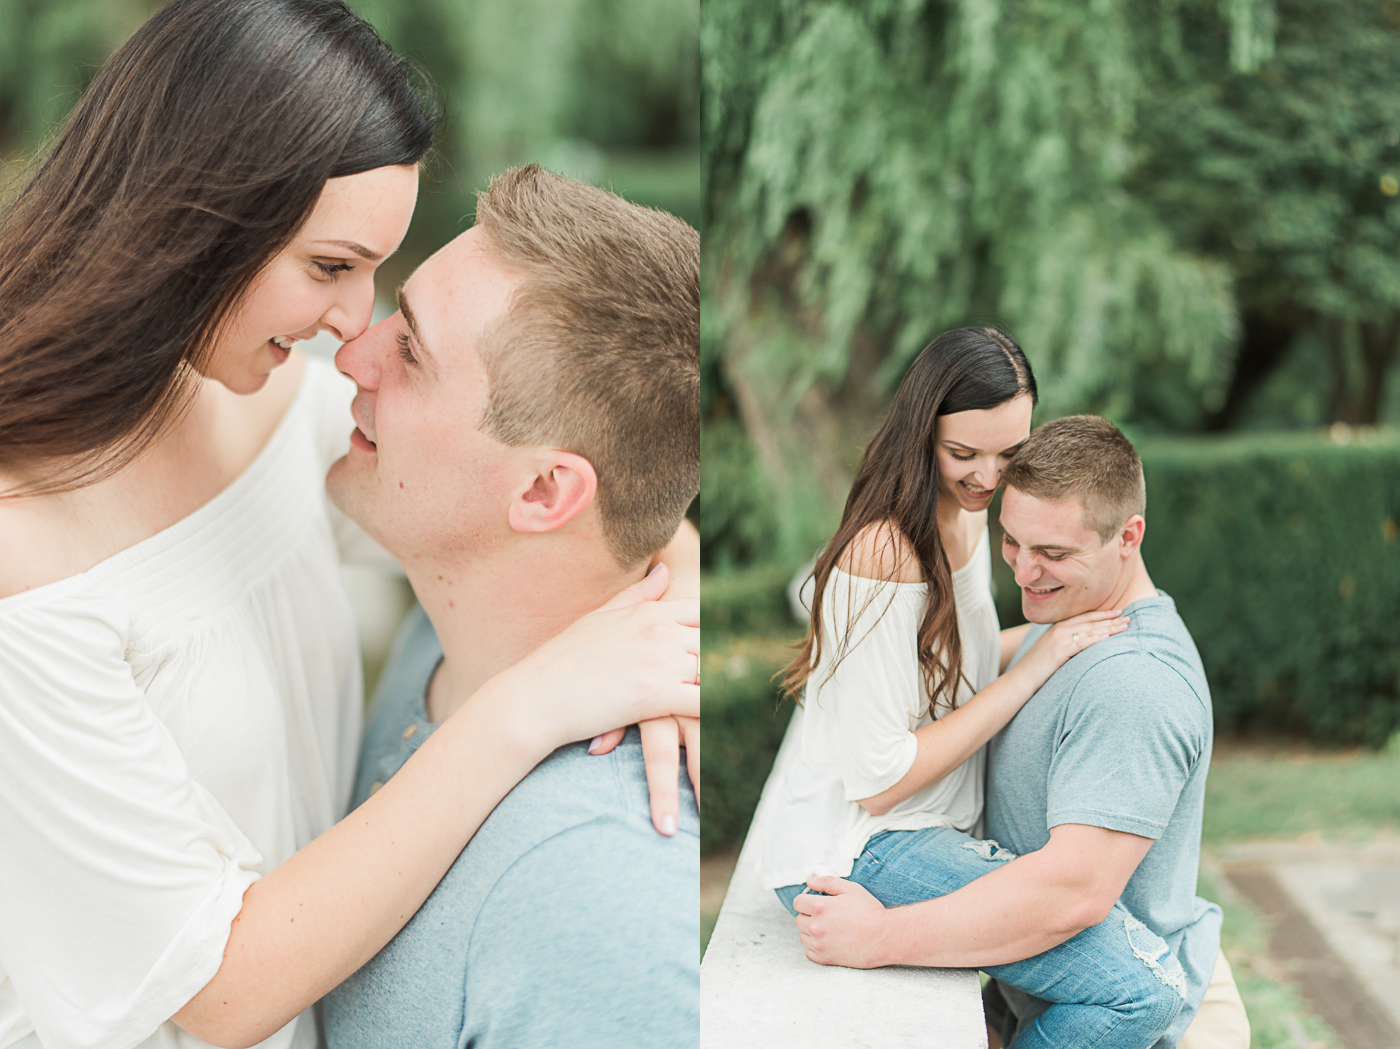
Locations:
896 491
193 159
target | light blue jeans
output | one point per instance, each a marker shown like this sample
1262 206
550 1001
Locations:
1114 986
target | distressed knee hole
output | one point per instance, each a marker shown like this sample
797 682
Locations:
1149 948
989 850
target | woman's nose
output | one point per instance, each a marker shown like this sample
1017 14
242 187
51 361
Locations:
349 315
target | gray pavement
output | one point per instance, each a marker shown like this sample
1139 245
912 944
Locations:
1334 917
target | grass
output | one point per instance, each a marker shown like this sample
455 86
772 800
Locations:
1286 790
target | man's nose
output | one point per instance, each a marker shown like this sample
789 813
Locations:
357 361
1026 570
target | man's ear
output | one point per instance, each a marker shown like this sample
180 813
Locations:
562 486
1130 535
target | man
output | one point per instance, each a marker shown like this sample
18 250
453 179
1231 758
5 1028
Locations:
528 439
1098 783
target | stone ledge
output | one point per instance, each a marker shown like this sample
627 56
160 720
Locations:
759 991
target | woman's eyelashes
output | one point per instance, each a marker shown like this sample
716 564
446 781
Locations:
332 269
405 350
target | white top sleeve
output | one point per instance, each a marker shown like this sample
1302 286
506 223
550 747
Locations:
119 874
875 690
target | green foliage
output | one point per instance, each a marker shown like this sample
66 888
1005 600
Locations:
900 169
1289 177
1283 555
736 516
1280 173
744 724
602 90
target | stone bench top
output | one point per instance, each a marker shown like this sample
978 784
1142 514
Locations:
759 991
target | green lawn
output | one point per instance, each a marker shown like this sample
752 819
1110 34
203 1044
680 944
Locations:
1284 791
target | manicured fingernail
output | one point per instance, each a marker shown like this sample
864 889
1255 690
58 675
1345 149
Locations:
597 742
668 825
655 568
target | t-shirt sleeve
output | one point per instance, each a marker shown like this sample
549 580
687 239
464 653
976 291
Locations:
120 874
1134 730
876 689
591 941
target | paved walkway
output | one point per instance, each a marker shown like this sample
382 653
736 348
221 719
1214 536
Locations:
1334 917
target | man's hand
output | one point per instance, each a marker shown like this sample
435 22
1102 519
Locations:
845 927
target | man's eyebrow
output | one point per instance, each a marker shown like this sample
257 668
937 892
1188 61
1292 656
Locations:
1040 546
411 320
358 249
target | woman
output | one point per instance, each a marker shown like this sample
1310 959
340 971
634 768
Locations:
179 684
898 678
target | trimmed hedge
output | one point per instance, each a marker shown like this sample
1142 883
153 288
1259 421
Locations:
1283 555
743 726
1281 551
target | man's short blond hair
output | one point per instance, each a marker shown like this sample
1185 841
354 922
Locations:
1085 457
599 353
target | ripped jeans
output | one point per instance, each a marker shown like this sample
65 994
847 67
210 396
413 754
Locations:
1114 986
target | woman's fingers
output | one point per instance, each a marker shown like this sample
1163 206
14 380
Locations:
1092 633
661 751
690 733
607 741
1092 617
649 588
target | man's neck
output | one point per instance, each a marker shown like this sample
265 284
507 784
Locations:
1134 585
489 613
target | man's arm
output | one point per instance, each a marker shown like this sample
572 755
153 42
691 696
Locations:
1032 904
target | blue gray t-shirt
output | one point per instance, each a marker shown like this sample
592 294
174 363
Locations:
567 920
1120 737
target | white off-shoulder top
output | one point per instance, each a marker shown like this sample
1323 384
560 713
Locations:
174 723
853 736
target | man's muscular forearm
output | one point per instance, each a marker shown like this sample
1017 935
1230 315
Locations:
1032 904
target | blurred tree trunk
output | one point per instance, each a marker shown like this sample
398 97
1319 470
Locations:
1265 340
1359 354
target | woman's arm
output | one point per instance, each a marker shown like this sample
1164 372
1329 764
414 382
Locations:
682 557
946 742
323 913
1011 639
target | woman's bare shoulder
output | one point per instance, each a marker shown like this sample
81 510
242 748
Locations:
39 545
880 551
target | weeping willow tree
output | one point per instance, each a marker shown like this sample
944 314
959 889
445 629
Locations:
1291 176
603 90
884 170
